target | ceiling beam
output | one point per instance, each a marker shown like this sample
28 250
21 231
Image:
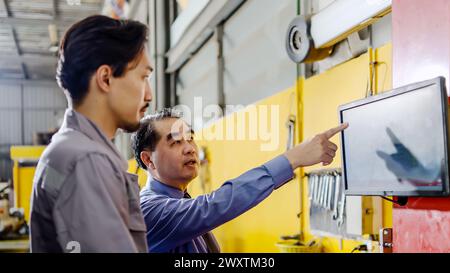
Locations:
44 83
26 75
13 34
31 58
34 22
15 40
4 6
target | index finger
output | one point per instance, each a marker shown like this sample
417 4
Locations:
333 131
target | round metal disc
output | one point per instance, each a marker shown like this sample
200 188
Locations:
298 42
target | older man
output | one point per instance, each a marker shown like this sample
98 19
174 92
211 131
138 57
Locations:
164 145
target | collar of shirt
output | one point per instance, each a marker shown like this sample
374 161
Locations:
78 122
161 188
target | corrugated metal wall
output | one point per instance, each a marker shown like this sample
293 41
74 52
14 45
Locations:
5 164
43 109
256 63
25 109
10 114
10 132
198 78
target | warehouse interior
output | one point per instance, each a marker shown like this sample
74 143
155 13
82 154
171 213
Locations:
296 62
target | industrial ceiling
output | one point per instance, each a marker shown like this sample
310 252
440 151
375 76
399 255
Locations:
29 35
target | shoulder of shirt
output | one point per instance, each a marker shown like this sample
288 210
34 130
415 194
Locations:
71 147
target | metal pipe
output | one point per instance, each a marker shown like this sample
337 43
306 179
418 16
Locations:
162 30
220 66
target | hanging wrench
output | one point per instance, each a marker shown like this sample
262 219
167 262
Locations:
328 191
331 193
316 189
324 190
337 184
312 188
319 192
340 219
327 195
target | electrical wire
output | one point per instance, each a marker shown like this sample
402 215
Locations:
385 73
360 248
393 201
371 78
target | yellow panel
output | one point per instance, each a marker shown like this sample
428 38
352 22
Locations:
320 97
260 228
26 152
134 169
23 193
383 57
23 176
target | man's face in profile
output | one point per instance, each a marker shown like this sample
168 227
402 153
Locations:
131 94
176 154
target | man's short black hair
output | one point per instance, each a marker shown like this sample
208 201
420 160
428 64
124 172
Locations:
147 137
95 41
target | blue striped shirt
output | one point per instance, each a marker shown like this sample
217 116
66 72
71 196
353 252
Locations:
176 224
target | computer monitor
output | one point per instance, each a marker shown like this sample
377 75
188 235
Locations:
397 142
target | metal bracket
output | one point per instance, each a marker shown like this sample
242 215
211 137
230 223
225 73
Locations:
299 44
290 125
386 240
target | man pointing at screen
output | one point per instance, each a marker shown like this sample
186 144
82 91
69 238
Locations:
177 223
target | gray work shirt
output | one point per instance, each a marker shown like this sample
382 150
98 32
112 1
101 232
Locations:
83 198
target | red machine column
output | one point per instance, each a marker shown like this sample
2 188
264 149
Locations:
421 50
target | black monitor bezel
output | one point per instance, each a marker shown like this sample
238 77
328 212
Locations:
440 81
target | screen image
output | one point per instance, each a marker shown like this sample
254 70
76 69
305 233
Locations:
396 143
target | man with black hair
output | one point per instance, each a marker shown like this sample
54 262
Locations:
164 145
83 198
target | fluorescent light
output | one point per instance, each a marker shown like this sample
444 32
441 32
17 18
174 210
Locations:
343 17
186 17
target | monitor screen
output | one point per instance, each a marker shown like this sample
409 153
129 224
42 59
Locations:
396 143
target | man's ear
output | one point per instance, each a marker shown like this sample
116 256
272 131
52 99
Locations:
103 77
146 157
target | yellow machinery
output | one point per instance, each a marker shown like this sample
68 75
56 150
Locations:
134 169
25 160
